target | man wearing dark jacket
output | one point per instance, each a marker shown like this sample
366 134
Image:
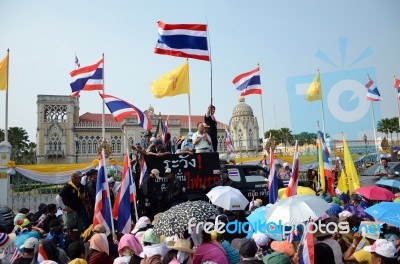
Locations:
210 120
175 191
149 192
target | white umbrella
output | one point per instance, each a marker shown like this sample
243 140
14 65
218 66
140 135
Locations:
297 209
228 198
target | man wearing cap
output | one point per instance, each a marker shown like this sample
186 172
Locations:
285 173
188 142
201 140
149 192
211 122
247 249
28 249
382 251
72 196
384 170
175 192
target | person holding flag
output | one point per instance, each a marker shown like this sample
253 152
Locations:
210 120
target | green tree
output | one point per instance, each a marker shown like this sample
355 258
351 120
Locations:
286 136
384 126
18 138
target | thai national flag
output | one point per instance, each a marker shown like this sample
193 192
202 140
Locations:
272 178
373 94
327 169
102 208
183 40
248 82
396 83
122 205
308 247
294 179
42 256
398 93
88 78
165 131
144 173
77 62
229 142
121 109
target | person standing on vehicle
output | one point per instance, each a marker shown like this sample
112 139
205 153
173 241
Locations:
285 173
149 193
72 196
175 192
211 122
384 170
201 140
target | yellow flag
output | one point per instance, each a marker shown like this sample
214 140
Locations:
172 83
343 183
3 73
350 169
314 92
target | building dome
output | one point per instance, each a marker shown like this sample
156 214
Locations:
242 109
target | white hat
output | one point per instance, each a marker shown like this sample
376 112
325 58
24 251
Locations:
260 239
152 139
285 164
155 172
30 243
111 180
168 170
383 248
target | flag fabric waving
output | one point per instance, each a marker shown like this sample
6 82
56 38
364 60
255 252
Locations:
144 173
373 94
165 131
77 62
294 179
172 83
229 141
4 74
42 256
348 181
88 78
314 92
121 109
122 205
183 40
396 83
159 128
325 164
308 255
320 159
248 82
398 93
102 208
272 178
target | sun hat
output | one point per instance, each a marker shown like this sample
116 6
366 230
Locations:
168 170
111 180
30 243
150 237
276 258
6 239
283 246
152 139
155 172
19 216
99 228
180 245
383 248
259 201
285 164
260 239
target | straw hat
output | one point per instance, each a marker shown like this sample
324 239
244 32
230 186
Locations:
181 245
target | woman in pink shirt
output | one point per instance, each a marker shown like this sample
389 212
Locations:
209 250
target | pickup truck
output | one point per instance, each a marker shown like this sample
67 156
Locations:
203 169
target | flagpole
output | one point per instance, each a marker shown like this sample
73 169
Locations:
322 109
373 124
398 104
262 110
209 48
103 117
190 111
6 117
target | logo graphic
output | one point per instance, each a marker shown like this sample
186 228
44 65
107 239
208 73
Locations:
344 97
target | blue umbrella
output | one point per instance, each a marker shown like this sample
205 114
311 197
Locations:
386 212
258 215
390 183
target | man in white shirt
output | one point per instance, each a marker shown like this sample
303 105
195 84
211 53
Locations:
201 140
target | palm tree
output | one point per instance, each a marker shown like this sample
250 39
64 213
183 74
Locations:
30 153
384 126
18 138
286 135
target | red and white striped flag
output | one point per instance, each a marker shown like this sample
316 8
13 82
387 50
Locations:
308 246
143 171
294 179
